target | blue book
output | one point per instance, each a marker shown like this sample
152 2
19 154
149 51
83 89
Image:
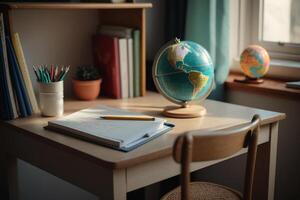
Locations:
18 83
4 108
122 135
6 105
6 95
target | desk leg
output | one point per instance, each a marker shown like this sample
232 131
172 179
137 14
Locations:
265 169
119 184
272 160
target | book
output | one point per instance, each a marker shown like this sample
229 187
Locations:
115 31
123 32
130 66
24 71
18 83
7 78
123 135
6 113
106 57
17 80
123 67
136 63
294 84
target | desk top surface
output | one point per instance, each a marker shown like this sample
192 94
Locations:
219 115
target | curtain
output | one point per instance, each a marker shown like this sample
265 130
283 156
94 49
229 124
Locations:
207 23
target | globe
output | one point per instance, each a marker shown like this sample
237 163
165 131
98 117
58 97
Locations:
255 61
183 72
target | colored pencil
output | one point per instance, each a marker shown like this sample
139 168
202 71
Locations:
128 117
52 74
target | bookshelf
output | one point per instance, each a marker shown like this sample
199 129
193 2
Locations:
122 14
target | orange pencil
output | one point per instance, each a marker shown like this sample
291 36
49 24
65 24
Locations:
128 117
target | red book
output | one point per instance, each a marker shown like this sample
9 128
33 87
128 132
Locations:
106 57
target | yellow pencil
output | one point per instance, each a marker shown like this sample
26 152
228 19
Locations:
128 117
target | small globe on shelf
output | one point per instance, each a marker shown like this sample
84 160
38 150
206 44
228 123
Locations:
183 72
255 63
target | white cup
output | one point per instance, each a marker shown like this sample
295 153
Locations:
51 98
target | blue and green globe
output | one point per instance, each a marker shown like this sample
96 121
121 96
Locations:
183 72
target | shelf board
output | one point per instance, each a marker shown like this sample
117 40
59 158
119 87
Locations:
79 5
268 87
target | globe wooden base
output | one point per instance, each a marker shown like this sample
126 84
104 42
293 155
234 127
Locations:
250 80
190 111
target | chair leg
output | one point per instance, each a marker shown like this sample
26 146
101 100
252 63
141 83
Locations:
186 157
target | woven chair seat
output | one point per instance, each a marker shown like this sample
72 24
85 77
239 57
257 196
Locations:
205 191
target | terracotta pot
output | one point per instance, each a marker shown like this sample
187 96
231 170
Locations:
86 90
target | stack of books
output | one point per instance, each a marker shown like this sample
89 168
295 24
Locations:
117 54
17 97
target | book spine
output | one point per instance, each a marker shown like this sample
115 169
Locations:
6 70
16 103
130 65
5 100
25 107
123 67
24 70
136 63
106 58
116 70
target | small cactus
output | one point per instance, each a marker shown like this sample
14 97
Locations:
87 73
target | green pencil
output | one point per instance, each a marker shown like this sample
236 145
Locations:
64 74
41 74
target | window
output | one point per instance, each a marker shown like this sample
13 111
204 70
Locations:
281 21
278 27
273 24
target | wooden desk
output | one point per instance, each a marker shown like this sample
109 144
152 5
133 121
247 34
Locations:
111 174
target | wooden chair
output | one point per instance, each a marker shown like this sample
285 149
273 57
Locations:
193 147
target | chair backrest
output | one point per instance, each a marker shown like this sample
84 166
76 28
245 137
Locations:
194 147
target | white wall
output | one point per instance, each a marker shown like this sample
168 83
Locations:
288 162
56 37
53 37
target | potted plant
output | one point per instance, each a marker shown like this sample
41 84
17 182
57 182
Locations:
87 82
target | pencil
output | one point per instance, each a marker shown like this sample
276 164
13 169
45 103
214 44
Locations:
52 73
64 74
41 74
45 74
56 73
128 117
35 71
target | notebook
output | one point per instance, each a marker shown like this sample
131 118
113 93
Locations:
295 85
123 135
